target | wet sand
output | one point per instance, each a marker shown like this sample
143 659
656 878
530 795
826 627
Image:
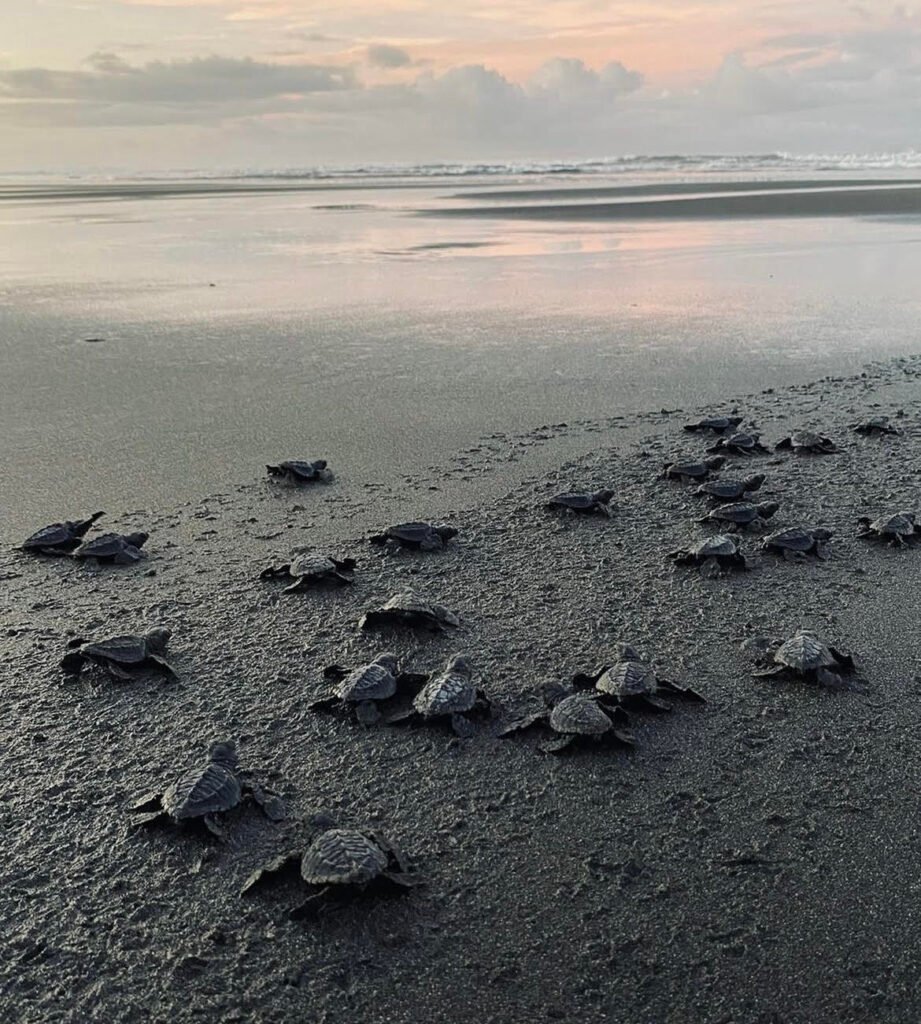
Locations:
753 860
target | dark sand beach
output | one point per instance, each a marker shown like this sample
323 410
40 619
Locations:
752 860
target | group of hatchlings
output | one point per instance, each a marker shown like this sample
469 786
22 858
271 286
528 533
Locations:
593 708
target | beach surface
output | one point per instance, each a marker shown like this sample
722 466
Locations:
753 859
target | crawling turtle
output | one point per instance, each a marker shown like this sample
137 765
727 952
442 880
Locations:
360 691
296 471
797 542
205 791
123 657
730 490
574 719
450 695
596 503
742 515
713 555
740 444
897 530
409 609
691 469
119 548
714 424
876 426
312 570
59 538
804 656
807 442
422 536
632 683
340 864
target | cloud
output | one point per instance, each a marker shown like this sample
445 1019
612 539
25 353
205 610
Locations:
217 80
382 55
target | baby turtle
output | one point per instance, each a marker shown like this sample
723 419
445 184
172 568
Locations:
632 683
804 656
742 515
897 530
876 426
340 864
583 504
123 657
714 424
798 542
295 471
205 791
59 538
575 719
421 536
312 570
360 691
451 695
693 470
409 609
807 442
740 444
713 555
730 490
118 548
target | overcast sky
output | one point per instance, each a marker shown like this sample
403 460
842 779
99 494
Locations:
156 84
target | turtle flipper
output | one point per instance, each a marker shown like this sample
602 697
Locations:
557 745
163 665
763 673
830 679
647 703
681 691
274 570
73 663
117 672
845 661
271 804
335 672
276 866
313 905
367 712
462 726
330 703
522 724
214 827
397 882
301 583
409 716
587 680
411 681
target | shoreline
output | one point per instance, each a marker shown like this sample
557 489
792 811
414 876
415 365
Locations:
708 876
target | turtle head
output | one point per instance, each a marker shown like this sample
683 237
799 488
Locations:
625 652
715 462
446 532
321 821
158 637
224 752
461 665
604 496
753 483
767 508
137 540
823 533
553 693
319 464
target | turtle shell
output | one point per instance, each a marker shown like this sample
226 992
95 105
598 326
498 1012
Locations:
793 539
123 650
719 546
374 681
209 789
343 856
312 565
449 693
106 545
902 524
716 423
305 470
691 469
413 533
408 603
628 679
740 512
579 714
572 499
57 535
804 653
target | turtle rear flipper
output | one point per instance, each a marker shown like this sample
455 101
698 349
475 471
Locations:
821 551
117 672
395 883
557 745
213 825
408 716
645 702
278 865
271 804
301 583
163 665
367 712
274 570
681 691
777 670
522 724
831 679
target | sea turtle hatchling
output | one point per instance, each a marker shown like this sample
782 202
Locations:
59 538
876 426
730 490
713 555
412 611
807 442
204 792
361 691
740 444
692 469
742 515
714 424
632 683
297 471
118 548
450 696
798 542
804 656
421 536
311 570
574 719
339 865
587 504
123 657
897 530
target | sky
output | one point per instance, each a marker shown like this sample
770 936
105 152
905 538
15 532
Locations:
261 84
